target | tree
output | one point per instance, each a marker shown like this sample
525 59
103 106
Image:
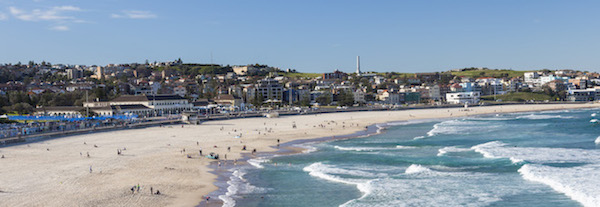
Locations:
345 98
258 99
324 98
22 108
100 93
305 101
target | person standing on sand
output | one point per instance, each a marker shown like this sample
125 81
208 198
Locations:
151 191
90 169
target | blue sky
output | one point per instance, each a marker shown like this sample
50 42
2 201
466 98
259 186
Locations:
310 36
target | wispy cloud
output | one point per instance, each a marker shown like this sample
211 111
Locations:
135 14
3 16
53 14
60 28
59 15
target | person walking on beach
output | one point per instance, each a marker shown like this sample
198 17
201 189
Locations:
200 151
151 191
90 169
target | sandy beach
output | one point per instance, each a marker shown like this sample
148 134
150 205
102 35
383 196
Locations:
58 172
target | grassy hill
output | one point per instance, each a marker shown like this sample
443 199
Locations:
302 75
490 73
519 97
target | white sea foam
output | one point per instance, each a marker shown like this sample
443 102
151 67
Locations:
405 147
379 128
436 189
597 141
238 185
482 148
308 147
401 123
446 150
361 149
419 137
461 127
594 114
414 168
332 173
497 118
498 149
579 183
544 116
257 162
328 172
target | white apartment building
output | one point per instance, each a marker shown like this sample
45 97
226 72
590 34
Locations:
463 97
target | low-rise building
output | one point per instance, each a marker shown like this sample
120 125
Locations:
590 94
463 97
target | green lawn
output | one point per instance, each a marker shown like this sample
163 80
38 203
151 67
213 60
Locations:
519 97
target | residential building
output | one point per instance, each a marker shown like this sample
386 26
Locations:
270 90
412 97
180 90
463 97
359 96
74 73
434 92
390 97
336 75
244 70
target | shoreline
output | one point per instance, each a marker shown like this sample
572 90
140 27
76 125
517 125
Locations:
156 156
289 148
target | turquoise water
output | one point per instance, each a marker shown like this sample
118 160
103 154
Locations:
520 159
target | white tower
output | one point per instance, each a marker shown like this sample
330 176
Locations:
358 65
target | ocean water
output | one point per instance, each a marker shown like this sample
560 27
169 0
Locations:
520 159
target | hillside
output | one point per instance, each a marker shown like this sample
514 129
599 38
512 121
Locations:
490 73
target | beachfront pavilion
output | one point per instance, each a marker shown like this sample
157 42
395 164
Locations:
151 105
